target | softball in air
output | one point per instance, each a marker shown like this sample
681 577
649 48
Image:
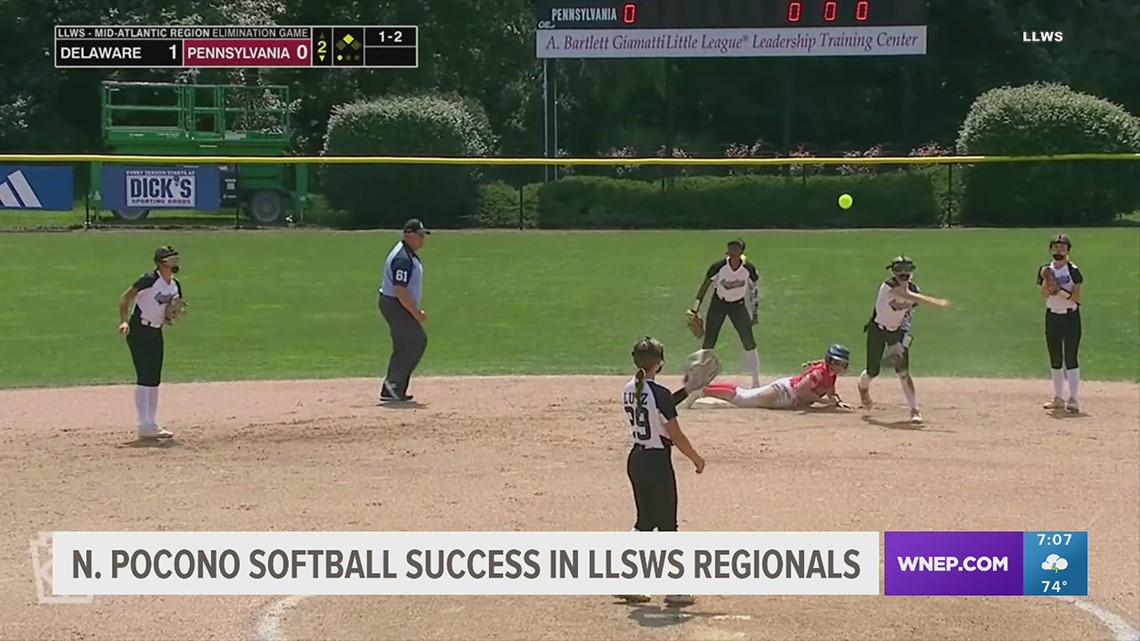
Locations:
845 201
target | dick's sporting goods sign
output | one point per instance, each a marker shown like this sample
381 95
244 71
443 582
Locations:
161 188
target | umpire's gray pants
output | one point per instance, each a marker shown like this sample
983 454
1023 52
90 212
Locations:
409 340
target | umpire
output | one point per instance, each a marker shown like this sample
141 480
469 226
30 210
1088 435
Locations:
400 294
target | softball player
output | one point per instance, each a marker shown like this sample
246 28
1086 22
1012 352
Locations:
813 385
889 327
735 297
654 430
1060 283
149 295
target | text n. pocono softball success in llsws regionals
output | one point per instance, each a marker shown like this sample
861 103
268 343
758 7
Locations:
557 563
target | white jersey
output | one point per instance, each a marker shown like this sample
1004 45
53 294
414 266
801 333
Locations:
732 285
1066 275
647 426
891 312
154 294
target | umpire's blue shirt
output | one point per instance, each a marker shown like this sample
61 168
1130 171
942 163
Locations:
403 267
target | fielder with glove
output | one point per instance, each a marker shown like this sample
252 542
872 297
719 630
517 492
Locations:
735 298
889 330
153 301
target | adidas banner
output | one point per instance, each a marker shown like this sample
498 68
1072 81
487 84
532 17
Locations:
41 187
162 188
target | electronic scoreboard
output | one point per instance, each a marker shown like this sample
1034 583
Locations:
237 46
728 28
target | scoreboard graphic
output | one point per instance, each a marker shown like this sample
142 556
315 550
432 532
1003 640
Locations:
728 28
377 47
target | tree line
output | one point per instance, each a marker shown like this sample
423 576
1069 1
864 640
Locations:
484 50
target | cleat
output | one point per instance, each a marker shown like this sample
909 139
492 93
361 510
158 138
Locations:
1072 406
915 417
865 398
154 433
1056 404
679 600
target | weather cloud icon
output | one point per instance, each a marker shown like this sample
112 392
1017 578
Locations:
1055 563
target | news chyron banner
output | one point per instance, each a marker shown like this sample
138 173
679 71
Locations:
167 187
986 563
465 563
964 564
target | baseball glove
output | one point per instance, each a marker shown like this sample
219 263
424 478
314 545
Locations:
701 367
696 325
1049 280
175 310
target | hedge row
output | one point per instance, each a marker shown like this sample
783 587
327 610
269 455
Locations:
901 199
1045 119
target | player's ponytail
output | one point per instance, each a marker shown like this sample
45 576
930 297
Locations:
647 353
639 386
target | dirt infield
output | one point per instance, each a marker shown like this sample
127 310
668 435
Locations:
549 454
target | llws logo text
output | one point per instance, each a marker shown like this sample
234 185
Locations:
1042 36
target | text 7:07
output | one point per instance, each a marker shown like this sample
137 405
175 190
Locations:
1055 539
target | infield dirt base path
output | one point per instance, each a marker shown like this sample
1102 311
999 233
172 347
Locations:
549 454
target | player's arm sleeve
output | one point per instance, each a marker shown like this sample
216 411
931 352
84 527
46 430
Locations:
679 396
715 267
1076 275
664 400
1040 278
178 284
146 281
401 271
752 273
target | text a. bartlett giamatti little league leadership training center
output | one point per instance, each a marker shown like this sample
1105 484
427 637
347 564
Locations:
758 564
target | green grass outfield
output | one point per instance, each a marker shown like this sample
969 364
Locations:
300 304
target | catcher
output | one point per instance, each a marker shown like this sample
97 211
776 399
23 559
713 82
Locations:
153 301
815 384
889 330
735 297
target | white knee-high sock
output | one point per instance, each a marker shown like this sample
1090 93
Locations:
909 392
142 404
1058 383
864 381
753 360
1074 383
152 406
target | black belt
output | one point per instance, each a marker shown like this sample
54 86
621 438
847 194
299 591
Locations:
1062 313
145 323
639 446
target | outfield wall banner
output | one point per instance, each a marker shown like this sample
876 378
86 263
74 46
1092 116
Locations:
38 187
730 43
162 188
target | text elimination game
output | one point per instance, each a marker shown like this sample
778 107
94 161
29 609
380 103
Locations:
236 46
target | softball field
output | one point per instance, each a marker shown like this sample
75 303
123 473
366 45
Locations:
540 453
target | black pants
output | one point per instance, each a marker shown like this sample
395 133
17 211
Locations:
147 349
409 341
878 339
737 313
654 488
1063 338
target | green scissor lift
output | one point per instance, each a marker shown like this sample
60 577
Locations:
175 119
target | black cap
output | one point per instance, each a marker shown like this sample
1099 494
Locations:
415 225
162 253
737 241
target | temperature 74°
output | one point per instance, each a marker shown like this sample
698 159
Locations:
1054 586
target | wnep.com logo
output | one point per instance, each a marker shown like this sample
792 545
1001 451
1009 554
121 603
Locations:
42 564
1042 37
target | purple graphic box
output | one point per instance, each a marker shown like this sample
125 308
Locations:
953 563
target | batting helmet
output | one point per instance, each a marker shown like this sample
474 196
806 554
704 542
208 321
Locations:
901 264
839 353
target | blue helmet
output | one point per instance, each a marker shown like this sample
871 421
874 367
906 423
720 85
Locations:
839 353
